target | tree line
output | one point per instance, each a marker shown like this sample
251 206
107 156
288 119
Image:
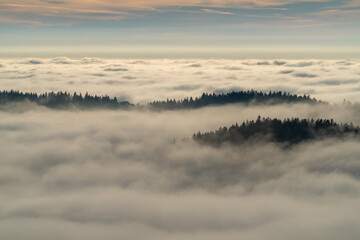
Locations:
289 131
63 100
246 97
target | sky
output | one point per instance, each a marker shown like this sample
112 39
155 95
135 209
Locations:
180 29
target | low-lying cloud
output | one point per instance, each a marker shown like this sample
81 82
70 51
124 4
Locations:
338 82
287 71
232 68
195 65
149 80
300 64
115 69
305 75
33 61
136 174
279 63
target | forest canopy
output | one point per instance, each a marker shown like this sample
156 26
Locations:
289 131
65 100
245 97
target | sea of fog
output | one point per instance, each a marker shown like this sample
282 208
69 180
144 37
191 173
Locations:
141 81
137 174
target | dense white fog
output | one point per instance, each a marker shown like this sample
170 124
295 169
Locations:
148 80
117 174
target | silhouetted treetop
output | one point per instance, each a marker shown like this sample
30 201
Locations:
246 97
63 100
289 131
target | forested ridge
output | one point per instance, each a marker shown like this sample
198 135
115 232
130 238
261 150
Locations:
245 97
289 131
65 100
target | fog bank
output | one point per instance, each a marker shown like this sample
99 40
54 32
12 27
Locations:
120 174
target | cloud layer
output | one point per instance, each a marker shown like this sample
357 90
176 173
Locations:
147 80
120 174
136 174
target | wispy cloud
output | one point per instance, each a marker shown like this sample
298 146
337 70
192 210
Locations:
346 13
216 11
116 10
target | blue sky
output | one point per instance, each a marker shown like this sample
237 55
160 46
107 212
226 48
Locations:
167 29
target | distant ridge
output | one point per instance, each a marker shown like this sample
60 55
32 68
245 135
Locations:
63 100
245 97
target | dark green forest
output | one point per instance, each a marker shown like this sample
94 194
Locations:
290 131
63 100
245 97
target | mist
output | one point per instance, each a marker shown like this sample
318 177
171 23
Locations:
138 174
142 81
